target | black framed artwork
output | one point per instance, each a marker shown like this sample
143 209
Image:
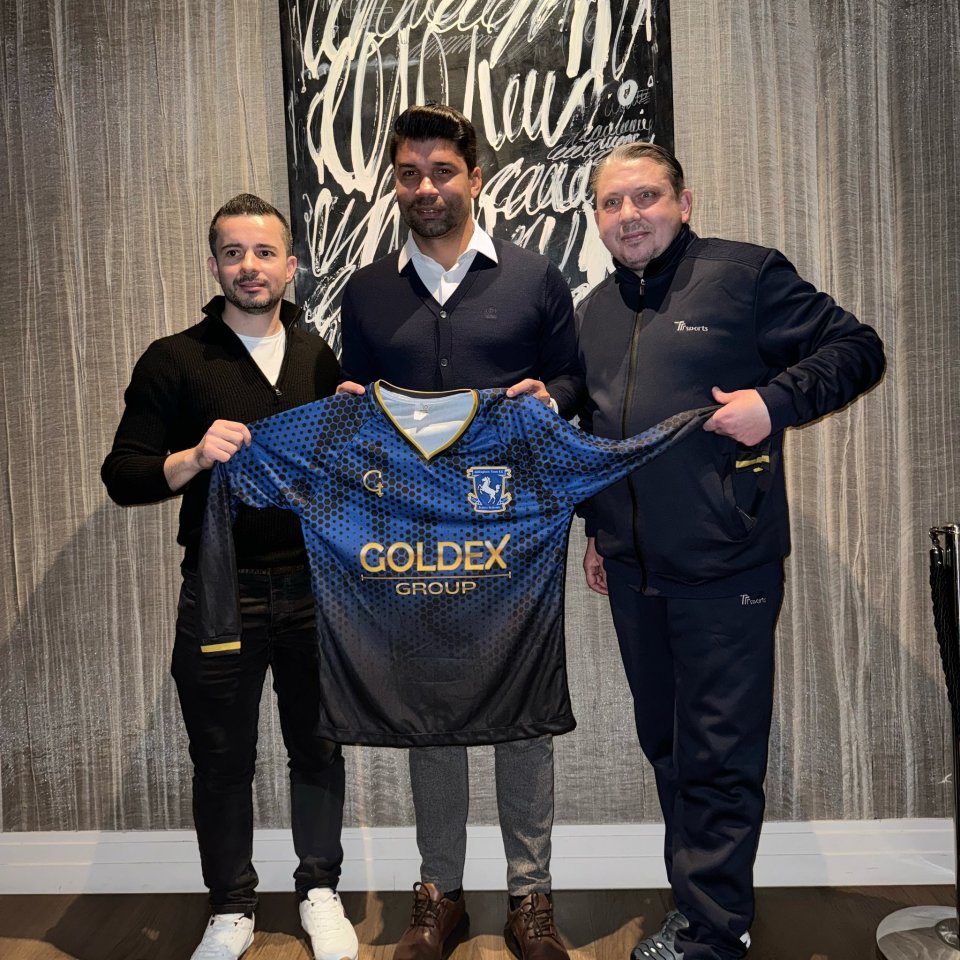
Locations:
549 84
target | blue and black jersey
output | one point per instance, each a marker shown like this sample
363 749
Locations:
436 526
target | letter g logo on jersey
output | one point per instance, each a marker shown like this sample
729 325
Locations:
489 489
372 480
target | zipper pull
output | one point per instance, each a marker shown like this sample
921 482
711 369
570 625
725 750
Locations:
643 287
277 392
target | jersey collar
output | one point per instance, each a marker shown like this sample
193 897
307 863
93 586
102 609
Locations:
375 391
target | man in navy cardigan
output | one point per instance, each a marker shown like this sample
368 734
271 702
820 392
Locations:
456 308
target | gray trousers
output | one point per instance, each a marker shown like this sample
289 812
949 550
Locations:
441 798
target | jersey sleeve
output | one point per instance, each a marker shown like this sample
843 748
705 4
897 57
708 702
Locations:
577 465
248 478
283 467
218 594
255 478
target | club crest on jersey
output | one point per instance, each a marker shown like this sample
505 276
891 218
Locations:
489 489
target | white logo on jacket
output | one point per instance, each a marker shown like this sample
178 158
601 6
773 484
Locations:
682 327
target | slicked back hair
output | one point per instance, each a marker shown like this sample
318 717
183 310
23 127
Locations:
249 205
435 121
628 152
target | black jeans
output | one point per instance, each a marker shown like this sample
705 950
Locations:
220 700
701 674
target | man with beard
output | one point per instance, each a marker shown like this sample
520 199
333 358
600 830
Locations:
189 399
456 308
690 549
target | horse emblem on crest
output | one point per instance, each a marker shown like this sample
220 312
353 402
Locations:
489 489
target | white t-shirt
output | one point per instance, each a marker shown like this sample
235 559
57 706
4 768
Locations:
267 352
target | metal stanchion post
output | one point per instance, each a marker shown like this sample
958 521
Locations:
930 933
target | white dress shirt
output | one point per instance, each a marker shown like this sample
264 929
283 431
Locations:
442 283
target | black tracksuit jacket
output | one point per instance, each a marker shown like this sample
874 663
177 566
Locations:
706 313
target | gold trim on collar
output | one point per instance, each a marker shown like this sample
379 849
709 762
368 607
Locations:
425 393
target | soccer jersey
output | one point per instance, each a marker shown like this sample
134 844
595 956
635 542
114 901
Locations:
436 526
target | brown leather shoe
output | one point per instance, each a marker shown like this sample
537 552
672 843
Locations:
530 932
436 925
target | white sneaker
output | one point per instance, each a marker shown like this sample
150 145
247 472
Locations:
331 934
226 938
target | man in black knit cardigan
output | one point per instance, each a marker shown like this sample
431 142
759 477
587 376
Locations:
457 308
189 399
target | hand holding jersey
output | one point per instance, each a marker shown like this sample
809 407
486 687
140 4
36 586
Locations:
532 388
743 416
221 441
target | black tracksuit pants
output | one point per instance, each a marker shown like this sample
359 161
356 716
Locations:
701 674
220 701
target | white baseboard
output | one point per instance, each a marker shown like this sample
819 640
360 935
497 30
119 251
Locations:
820 853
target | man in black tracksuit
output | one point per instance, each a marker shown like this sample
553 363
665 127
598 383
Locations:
690 549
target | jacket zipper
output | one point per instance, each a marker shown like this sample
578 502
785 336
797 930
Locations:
627 403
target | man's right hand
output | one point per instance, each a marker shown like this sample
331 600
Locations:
348 386
593 569
221 441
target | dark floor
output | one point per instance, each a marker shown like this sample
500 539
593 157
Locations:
808 923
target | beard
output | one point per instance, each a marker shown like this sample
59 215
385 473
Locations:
452 214
254 303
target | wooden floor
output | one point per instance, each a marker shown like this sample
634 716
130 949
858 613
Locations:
792 924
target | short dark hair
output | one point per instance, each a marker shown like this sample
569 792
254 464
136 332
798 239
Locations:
627 152
435 121
249 205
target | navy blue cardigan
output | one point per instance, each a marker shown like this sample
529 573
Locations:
506 321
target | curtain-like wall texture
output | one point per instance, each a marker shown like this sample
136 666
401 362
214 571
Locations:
828 129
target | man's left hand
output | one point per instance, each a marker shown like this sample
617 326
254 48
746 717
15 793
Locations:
743 416
531 388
